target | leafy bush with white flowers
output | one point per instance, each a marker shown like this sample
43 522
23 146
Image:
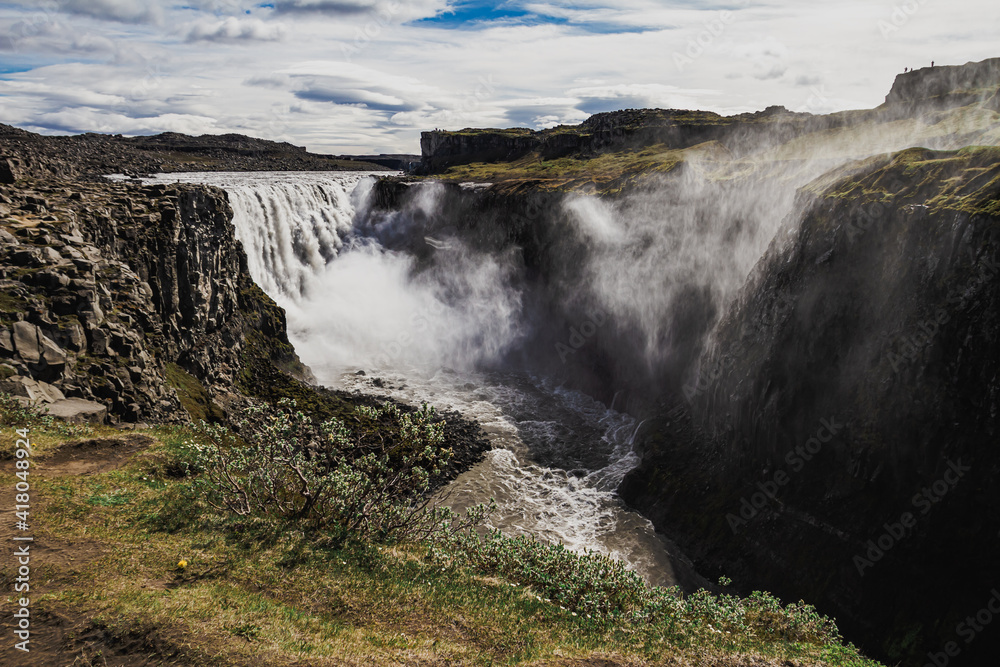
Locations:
279 464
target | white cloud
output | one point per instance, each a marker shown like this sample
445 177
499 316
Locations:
126 11
235 30
84 119
381 11
361 75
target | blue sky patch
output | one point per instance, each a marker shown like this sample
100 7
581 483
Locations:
6 68
473 15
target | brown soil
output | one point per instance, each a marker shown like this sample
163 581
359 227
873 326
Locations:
91 456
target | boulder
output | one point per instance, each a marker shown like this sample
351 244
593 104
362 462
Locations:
52 354
50 255
99 342
78 411
9 173
6 342
51 278
71 335
25 257
31 389
26 341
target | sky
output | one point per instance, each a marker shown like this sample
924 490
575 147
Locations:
367 76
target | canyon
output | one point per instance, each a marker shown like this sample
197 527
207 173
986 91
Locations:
797 313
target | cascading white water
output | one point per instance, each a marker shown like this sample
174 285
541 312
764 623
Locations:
352 304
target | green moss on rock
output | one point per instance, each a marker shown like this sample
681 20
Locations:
193 395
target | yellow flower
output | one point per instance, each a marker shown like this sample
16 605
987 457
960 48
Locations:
182 564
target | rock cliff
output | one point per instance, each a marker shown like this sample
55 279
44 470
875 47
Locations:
627 130
839 442
937 87
109 287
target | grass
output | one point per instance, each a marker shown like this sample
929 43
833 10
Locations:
48 433
212 590
606 173
192 394
966 180
11 304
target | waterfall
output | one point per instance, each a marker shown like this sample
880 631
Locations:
291 230
351 301
360 293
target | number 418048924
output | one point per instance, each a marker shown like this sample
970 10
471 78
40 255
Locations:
22 453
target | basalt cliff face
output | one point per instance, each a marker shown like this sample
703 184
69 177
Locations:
631 129
135 298
838 441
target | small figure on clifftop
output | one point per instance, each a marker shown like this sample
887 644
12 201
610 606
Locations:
932 63
905 70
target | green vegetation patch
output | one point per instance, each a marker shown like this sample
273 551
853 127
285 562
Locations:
197 586
11 304
966 180
606 173
192 394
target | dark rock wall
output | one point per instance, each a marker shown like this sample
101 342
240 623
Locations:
946 86
850 396
106 284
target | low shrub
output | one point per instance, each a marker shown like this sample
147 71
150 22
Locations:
279 464
599 587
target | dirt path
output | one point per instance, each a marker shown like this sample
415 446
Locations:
61 636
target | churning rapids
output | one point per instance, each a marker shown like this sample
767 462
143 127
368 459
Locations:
366 317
